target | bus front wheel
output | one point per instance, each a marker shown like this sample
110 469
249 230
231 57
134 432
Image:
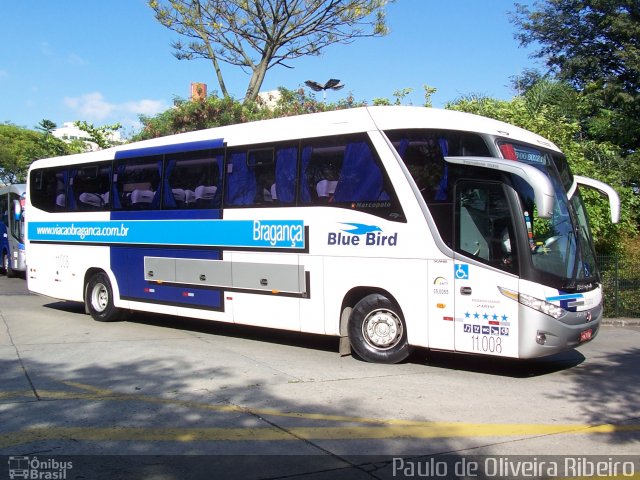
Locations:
377 331
99 299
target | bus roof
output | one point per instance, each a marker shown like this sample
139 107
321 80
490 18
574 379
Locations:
336 122
396 117
18 188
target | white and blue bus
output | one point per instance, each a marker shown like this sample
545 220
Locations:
389 227
12 251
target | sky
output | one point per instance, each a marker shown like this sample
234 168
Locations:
108 61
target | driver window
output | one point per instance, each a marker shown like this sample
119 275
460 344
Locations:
484 228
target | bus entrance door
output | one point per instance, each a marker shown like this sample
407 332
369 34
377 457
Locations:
486 320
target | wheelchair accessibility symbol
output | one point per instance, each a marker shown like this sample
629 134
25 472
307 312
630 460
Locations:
462 272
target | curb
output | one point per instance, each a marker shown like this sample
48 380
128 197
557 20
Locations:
621 322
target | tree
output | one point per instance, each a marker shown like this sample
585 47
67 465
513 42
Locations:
101 136
46 126
19 147
257 35
214 111
594 45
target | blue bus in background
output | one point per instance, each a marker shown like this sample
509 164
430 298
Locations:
12 198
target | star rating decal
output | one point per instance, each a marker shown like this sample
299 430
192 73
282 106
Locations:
486 316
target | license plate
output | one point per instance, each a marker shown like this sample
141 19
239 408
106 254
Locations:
585 335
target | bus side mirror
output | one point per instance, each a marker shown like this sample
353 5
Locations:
614 199
542 187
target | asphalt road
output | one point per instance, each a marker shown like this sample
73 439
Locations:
166 398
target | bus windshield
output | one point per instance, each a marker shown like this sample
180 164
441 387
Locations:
560 245
17 226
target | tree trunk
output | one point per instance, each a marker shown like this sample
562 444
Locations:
223 87
256 81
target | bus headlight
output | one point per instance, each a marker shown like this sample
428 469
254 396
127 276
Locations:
535 303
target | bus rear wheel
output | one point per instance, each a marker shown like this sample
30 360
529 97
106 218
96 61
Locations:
99 299
377 331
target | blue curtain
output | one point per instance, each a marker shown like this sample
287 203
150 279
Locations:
71 193
168 200
115 193
219 159
441 194
305 195
241 181
402 148
360 177
155 203
286 160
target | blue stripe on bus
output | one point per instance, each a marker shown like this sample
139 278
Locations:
570 296
168 149
278 234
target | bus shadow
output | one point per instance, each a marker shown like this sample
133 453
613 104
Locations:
64 306
447 360
499 366
248 332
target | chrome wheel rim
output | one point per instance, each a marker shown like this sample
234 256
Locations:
382 329
99 297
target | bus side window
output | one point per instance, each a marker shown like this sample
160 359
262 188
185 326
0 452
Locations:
321 164
90 187
261 165
138 183
261 176
346 172
361 178
49 189
4 207
241 186
193 180
283 191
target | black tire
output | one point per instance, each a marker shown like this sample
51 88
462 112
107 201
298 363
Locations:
5 263
377 331
99 299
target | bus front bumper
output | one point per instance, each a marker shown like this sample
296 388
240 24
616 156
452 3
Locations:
541 335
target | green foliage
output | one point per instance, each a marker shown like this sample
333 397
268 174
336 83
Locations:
46 126
101 136
428 93
400 94
595 46
258 35
381 101
214 111
19 147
